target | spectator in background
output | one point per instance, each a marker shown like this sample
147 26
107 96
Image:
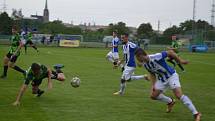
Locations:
43 40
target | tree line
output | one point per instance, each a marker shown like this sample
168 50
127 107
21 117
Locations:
144 31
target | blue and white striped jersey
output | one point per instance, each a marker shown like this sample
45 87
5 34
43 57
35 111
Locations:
115 42
158 66
129 54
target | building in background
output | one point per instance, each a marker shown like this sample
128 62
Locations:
45 17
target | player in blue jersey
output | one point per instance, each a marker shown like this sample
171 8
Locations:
164 76
113 55
129 49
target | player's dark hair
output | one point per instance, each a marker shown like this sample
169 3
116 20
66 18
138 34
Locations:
115 31
126 34
35 66
15 27
140 51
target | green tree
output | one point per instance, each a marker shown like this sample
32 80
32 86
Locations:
210 35
6 24
120 27
145 30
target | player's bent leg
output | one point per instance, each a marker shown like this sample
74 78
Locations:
122 88
12 65
25 48
36 90
115 57
133 78
5 64
187 102
126 76
157 94
109 57
33 46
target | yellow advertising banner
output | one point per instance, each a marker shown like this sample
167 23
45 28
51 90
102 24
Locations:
69 43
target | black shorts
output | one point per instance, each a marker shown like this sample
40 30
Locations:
29 42
36 82
12 58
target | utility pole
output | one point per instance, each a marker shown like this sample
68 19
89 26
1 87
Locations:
194 18
159 26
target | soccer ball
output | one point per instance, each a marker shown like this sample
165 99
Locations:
75 82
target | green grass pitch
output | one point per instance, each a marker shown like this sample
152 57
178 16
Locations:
93 100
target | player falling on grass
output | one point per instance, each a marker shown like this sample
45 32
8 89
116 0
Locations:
113 55
13 54
164 76
28 36
175 48
35 74
129 49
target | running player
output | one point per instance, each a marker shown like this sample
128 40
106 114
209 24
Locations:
35 74
13 54
163 76
175 48
129 49
113 55
29 37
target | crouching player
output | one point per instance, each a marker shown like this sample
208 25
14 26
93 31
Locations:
35 74
163 76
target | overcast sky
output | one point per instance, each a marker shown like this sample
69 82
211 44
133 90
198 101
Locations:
103 12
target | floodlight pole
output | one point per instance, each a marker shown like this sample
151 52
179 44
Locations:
194 18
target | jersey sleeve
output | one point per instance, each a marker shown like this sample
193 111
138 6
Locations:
164 54
28 79
133 46
44 69
158 56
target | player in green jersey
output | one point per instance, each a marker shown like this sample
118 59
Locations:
28 38
175 47
35 75
13 54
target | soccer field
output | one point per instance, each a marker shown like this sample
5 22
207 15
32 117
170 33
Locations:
93 100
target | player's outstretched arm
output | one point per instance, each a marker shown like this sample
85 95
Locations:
152 78
172 54
49 79
20 94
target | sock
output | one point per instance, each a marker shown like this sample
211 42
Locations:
137 77
59 71
181 67
18 69
164 99
54 75
121 65
34 47
25 48
187 102
5 70
122 88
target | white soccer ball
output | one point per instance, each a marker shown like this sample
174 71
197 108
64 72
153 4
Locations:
75 82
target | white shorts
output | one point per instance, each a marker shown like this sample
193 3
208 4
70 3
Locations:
114 55
172 83
127 73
